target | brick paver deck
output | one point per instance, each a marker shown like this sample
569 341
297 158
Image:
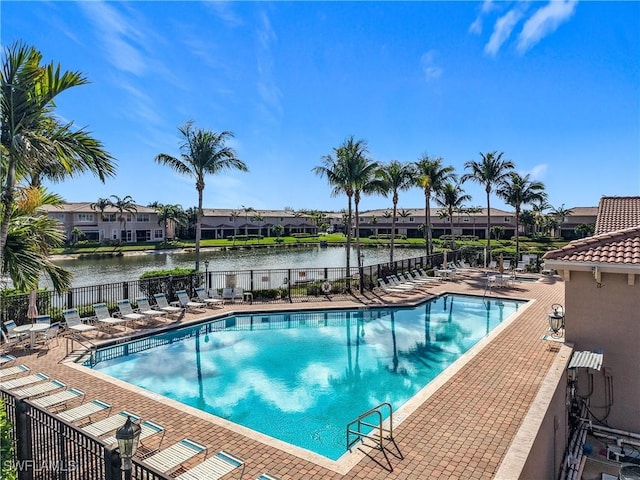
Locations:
462 430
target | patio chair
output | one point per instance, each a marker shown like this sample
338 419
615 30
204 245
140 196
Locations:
267 476
394 281
109 424
6 358
409 277
24 381
11 336
38 389
125 310
208 301
169 459
187 303
74 322
493 265
214 467
421 274
104 317
144 307
163 304
84 411
391 290
12 371
59 399
148 429
43 319
521 267
45 338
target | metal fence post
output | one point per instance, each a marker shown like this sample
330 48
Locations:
24 453
112 463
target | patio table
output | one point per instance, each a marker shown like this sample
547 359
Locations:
33 329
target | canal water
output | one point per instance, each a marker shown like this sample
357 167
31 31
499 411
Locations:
130 267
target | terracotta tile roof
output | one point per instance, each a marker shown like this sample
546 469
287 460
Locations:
617 213
621 247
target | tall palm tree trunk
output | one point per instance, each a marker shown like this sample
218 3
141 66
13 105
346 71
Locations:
428 225
488 257
348 244
198 227
517 235
359 260
7 203
393 227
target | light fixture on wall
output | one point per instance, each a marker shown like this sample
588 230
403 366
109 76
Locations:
597 276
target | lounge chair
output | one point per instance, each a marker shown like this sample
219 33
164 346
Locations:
6 358
169 459
208 301
148 429
422 275
38 389
267 476
9 372
75 323
59 398
125 310
84 411
394 281
163 304
521 267
109 424
187 303
43 319
214 467
391 290
493 264
104 317
24 381
408 277
232 294
506 264
144 307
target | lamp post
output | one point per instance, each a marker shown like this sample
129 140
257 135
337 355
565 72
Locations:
128 437
361 271
206 276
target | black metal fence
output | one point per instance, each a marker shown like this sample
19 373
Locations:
46 447
275 285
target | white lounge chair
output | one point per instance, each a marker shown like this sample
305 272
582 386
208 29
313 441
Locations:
104 317
38 389
75 323
148 429
163 304
59 398
84 411
24 381
391 290
144 307
109 424
6 358
125 310
521 267
187 303
9 372
267 476
208 301
169 459
214 467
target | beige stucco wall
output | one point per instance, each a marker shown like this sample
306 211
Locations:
607 318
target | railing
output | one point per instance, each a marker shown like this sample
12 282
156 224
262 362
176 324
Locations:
267 286
46 447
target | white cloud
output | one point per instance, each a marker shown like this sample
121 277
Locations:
224 12
545 21
267 87
429 67
476 26
502 30
539 171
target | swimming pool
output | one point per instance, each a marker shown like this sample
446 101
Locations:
301 377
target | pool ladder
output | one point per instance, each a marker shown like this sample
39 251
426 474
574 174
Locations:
374 432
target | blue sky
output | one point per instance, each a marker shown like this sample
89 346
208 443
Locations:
553 85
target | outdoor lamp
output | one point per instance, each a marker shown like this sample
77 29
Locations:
206 276
128 437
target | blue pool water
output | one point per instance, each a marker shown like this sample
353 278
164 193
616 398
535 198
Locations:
301 377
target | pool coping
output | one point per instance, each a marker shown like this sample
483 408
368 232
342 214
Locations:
349 459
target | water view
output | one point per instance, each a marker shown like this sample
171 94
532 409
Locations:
110 270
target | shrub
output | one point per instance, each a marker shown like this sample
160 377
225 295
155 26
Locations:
7 471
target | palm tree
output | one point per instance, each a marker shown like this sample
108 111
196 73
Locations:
351 173
395 178
30 236
170 213
258 218
560 215
490 171
528 221
234 217
31 139
431 176
472 213
247 210
101 205
538 209
518 191
123 205
451 197
203 152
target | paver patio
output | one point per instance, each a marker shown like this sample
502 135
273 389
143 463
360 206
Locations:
462 430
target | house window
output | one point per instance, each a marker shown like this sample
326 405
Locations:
85 217
110 217
142 217
507 219
232 219
158 234
466 219
411 219
129 217
58 216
